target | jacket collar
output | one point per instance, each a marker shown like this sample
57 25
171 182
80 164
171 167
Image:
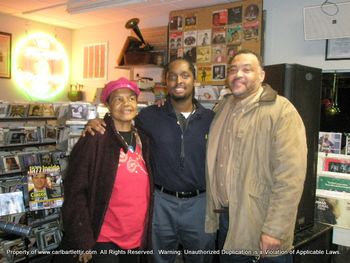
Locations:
168 107
268 94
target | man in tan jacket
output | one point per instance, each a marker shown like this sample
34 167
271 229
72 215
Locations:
256 166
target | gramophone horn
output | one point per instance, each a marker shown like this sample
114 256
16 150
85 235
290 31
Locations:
132 24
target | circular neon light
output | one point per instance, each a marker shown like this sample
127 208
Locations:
41 66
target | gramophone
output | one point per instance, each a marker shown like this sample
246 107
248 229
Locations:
135 51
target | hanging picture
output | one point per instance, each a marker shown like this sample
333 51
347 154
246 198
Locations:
5 55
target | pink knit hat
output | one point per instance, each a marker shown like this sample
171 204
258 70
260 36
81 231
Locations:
118 84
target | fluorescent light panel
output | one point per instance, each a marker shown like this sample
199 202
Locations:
81 6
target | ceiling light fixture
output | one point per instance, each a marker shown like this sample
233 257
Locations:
82 6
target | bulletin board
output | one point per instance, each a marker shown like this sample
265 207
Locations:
210 36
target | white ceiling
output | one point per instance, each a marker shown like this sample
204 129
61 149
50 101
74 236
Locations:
54 11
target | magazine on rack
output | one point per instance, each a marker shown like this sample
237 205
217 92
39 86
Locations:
44 187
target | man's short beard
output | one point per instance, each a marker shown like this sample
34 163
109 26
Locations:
180 98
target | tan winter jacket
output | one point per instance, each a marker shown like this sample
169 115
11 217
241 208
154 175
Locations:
269 167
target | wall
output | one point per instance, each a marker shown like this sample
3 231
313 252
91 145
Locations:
115 35
284 36
19 28
284 43
284 40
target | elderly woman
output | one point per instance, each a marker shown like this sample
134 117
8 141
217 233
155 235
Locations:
107 187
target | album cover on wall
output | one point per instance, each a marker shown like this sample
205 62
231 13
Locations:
204 37
190 38
175 40
219 72
219 18
204 73
203 55
190 21
175 23
234 15
234 35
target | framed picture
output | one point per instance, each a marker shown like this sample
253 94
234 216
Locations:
5 55
338 49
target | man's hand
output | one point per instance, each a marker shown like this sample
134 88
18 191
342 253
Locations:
269 243
95 125
85 258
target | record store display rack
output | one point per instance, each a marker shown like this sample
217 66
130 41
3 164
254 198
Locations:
35 141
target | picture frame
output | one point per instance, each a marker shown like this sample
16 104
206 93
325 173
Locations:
338 49
5 55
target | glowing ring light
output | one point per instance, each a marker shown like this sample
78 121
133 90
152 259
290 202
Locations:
41 66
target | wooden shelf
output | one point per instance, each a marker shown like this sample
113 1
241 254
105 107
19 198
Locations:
29 119
20 146
139 66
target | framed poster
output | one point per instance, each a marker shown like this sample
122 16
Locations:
338 49
5 55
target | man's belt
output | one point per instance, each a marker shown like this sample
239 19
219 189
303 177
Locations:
180 194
